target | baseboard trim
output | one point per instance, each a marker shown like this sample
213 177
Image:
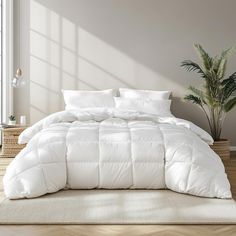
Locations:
233 148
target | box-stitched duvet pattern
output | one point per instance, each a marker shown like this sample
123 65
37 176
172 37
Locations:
114 151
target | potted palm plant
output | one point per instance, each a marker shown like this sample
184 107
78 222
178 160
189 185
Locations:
217 96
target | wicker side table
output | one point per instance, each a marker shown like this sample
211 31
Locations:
10 147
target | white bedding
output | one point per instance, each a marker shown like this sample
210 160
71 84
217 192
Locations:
113 149
155 107
144 94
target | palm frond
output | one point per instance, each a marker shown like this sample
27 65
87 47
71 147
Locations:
204 57
222 68
232 78
199 93
216 63
228 87
228 52
192 66
230 104
223 61
194 99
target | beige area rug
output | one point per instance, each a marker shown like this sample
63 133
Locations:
118 207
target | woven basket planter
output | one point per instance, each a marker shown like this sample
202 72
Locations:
222 149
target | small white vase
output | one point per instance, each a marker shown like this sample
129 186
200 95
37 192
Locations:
11 122
23 120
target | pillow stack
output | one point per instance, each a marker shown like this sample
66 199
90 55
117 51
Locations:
147 101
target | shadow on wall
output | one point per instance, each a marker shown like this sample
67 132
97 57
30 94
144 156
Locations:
85 44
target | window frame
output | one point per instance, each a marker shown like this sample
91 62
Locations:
7 60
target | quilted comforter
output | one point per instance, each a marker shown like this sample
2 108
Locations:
115 149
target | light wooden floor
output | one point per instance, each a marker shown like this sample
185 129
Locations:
111 230
97 230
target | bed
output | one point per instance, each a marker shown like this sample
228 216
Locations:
101 141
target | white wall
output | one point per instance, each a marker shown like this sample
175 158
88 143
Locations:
88 44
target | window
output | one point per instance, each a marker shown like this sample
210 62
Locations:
6 63
1 60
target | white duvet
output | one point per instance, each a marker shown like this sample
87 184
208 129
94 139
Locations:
115 149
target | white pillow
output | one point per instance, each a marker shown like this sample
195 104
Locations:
146 94
76 99
156 107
